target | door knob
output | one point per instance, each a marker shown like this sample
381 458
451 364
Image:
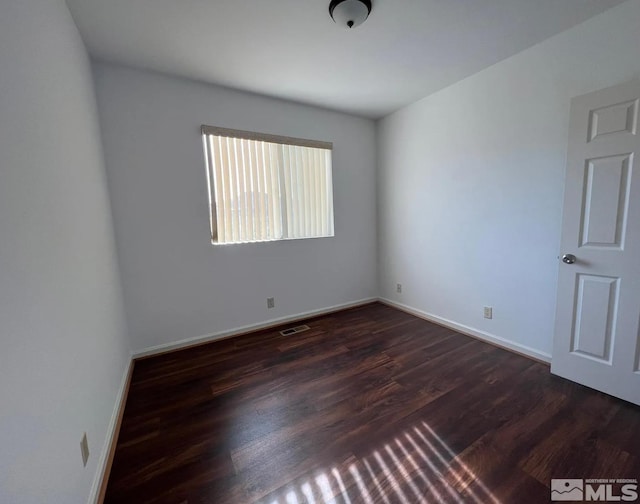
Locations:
568 258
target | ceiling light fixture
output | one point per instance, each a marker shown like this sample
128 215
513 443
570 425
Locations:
349 13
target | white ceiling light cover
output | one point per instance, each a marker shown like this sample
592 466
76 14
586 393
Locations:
350 13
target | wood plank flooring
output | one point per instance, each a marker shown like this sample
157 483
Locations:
371 405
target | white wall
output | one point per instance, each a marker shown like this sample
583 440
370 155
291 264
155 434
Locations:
471 182
63 346
176 284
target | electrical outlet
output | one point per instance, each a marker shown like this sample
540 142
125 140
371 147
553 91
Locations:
399 288
84 449
488 312
271 303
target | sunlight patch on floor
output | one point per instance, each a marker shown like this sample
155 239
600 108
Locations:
416 467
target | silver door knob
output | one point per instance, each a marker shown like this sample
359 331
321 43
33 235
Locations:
568 258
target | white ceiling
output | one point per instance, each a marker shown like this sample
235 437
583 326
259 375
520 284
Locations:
291 49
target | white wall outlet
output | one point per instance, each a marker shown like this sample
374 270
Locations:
84 449
271 303
399 288
488 312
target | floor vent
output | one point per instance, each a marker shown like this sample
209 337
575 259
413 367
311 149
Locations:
294 330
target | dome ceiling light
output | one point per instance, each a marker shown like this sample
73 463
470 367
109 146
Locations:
349 13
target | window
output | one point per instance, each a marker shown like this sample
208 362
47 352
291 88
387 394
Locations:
265 187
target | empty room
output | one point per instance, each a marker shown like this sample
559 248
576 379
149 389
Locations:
319 251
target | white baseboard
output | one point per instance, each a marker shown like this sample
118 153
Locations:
176 345
461 328
111 432
470 331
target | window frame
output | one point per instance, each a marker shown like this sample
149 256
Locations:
206 130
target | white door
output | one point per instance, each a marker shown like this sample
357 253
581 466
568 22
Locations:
598 313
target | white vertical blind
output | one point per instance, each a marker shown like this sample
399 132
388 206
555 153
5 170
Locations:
264 188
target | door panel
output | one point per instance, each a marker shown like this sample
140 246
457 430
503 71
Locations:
605 201
598 309
619 118
596 305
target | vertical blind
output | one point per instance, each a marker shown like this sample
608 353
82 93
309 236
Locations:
265 187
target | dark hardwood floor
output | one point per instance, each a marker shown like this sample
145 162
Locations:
371 405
